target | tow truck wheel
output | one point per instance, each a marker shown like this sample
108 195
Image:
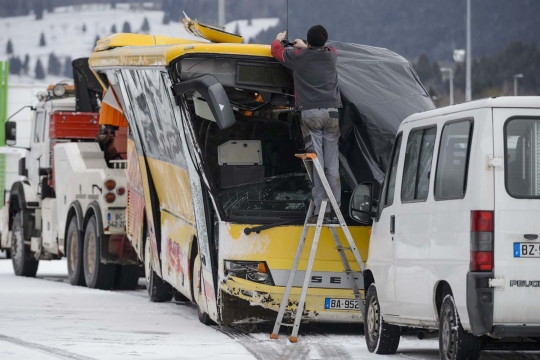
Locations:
454 342
158 289
96 274
74 252
24 263
127 277
8 253
381 338
196 284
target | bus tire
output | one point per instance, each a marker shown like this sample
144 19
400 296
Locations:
8 253
96 274
158 289
74 254
127 277
381 337
195 283
454 342
24 262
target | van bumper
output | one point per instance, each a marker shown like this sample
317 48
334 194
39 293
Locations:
480 302
269 297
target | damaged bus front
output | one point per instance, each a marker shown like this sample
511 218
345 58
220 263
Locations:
216 197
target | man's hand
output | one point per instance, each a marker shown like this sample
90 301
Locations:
281 36
300 44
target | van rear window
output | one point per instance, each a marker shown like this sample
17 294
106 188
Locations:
522 158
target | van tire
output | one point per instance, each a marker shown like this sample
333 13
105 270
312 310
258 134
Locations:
381 337
97 275
127 277
158 289
74 254
454 342
23 260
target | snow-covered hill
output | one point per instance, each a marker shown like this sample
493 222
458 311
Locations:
72 31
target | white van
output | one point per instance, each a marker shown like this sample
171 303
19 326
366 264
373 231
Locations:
455 241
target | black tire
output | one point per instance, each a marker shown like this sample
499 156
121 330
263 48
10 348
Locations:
8 253
96 274
23 260
178 296
381 337
127 277
74 254
158 289
454 342
203 317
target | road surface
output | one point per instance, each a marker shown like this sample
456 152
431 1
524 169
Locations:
46 318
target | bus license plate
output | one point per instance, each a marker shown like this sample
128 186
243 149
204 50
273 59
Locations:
527 250
340 304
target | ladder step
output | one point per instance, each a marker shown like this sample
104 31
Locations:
352 272
289 325
341 248
324 225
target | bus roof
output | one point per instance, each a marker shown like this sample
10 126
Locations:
150 50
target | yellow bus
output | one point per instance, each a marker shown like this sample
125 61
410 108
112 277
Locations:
216 197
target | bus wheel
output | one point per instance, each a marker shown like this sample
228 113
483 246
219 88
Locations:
24 262
127 277
8 253
96 274
196 284
158 289
74 252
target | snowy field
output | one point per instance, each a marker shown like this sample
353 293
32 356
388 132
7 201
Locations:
46 318
72 31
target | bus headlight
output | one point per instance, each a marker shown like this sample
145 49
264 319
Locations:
256 271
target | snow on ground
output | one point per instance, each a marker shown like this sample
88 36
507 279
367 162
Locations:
46 318
72 31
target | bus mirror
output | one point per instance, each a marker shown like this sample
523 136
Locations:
11 133
361 203
214 94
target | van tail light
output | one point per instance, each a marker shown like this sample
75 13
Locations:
481 241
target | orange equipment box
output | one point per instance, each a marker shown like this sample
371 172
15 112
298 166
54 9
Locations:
73 125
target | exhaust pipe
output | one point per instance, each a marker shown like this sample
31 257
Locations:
424 335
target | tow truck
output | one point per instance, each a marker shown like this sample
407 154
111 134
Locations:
71 202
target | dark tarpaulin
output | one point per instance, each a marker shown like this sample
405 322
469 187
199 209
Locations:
379 89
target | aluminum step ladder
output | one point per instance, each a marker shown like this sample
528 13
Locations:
310 160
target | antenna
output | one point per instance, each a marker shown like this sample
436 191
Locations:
287 33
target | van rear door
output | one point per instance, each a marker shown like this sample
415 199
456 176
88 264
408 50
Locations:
517 215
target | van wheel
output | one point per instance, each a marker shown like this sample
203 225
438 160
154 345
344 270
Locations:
381 338
127 277
24 262
158 289
96 274
74 252
196 285
454 342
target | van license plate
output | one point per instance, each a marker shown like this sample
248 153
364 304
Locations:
527 250
340 304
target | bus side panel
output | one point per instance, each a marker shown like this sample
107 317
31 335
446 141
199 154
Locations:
135 201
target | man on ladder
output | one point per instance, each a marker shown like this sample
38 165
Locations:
314 69
318 97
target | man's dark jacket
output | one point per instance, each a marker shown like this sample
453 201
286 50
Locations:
315 75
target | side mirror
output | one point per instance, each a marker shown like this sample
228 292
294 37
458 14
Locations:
214 94
11 133
361 203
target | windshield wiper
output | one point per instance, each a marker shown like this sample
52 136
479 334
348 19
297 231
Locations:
258 229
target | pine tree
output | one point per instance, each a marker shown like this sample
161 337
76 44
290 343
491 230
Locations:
113 4
237 29
15 65
423 68
84 27
126 28
40 72
49 6
38 9
9 47
113 29
95 41
42 41
54 67
436 70
68 68
145 25
26 64
25 9
166 19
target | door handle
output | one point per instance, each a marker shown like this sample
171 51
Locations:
392 225
530 236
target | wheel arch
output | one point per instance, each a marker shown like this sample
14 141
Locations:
368 280
193 252
93 209
442 288
17 199
75 210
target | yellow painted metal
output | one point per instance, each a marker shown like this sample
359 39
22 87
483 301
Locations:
209 32
160 56
122 39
